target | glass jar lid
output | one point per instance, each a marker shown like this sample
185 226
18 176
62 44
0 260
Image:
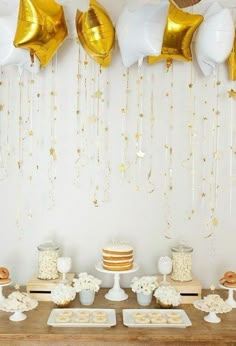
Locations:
50 245
182 248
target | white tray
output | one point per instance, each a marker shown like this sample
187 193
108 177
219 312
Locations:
110 321
129 319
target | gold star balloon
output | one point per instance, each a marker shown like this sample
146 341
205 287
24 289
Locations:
232 62
178 34
96 33
41 28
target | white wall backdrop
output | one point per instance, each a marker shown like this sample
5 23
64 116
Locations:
80 166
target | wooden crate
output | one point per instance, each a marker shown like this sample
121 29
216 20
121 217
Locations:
190 291
41 289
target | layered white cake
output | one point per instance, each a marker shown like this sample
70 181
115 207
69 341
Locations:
117 256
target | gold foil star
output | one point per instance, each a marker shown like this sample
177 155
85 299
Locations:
92 119
137 135
140 154
232 93
1 107
98 94
31 133
17 287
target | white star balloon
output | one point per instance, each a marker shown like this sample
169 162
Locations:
214 38
140 32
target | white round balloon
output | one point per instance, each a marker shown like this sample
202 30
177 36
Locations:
140 32
214 38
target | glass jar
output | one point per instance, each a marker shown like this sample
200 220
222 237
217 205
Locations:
47 261
182 263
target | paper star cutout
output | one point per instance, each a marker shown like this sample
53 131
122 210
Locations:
232 93
17 287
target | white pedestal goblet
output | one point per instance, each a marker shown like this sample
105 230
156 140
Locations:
64 266
230 300
164 268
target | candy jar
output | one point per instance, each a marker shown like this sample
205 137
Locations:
182 263
47 261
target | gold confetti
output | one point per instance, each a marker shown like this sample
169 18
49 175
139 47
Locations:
122 167
215 221
98 94
53 153
232 93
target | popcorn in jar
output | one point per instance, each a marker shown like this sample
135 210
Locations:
182 263
47 262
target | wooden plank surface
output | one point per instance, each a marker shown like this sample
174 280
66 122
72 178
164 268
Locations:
35 331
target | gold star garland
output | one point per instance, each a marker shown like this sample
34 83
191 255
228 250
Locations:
212 222
139 128
124 134
168 175
151 186
52 150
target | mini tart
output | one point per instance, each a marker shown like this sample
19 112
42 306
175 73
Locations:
155 314
82 319
83 314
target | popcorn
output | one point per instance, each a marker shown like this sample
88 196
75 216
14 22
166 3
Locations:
62 293
145 284
47 268
168 295
182 266
86 282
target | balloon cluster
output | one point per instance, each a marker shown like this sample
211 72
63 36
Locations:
145 29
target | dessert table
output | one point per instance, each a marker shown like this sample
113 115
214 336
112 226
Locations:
35 331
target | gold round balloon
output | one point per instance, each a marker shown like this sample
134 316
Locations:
41 28
232 62
178 34
96 33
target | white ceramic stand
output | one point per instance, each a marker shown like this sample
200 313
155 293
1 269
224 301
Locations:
212 318
17 316
116 293
230 300
1 286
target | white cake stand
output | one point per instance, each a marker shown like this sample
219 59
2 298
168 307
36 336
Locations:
1 286
230 300
116 293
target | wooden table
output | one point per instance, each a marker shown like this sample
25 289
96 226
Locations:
35 331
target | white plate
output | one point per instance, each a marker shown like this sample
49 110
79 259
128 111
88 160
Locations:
129 319
53 318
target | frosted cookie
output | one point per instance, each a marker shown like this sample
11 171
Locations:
155 314
99 313
99 319
82 319
159 320
175 320
138 314
83 314
62 319
172 314
65 314
142 320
